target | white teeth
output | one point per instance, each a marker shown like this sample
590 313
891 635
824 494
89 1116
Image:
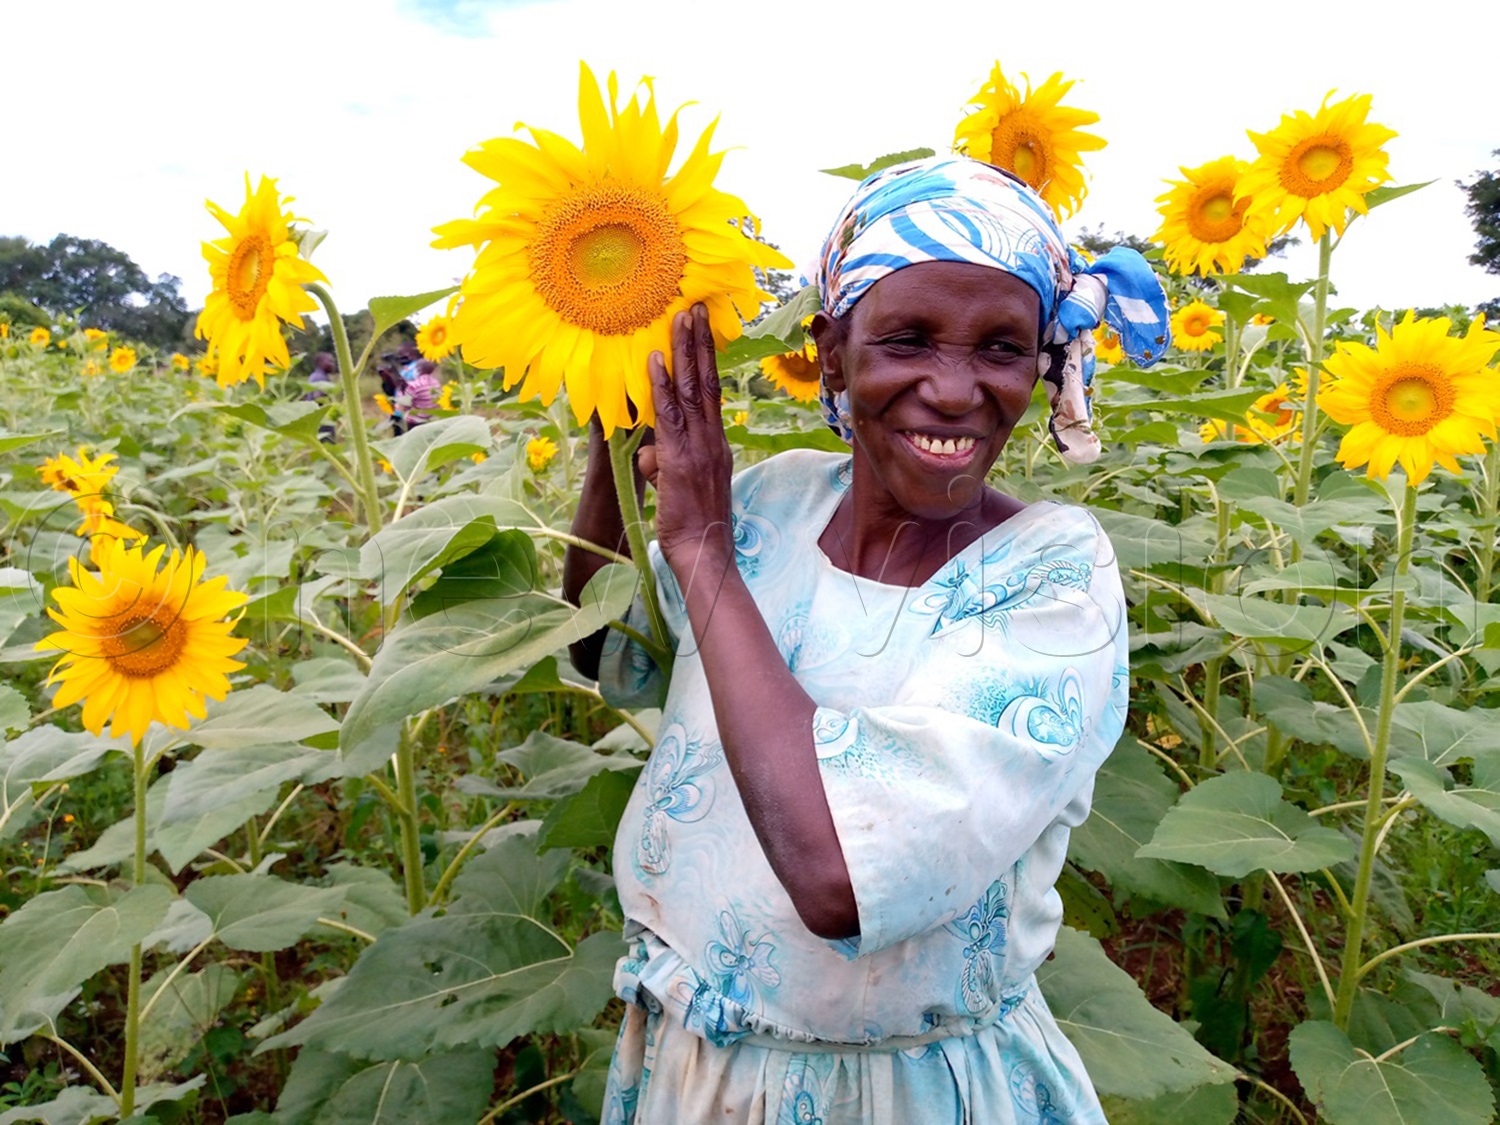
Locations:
948 447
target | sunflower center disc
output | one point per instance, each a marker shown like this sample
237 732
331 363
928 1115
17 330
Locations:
608 258
1415 399
1213 216
1195 325
1016 147
248 275
144 646
1317 166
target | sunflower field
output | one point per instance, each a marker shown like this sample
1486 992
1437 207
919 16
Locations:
305 817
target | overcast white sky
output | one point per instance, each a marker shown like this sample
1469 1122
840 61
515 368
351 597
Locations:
132 113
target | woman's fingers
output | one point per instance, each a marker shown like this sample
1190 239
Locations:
706 363
664 395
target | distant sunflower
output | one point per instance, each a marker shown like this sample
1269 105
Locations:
142 642
539 453
80 476
796 373
384 403
1418 396
1031 135
1195 327
586 255
258 278
208 367
1208 223
1257 428
40 337
436 340
97 338
4 329
121 360
445 396
91 367
1107 346
181 362
1314 167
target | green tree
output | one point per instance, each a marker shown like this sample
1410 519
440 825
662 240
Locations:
98 283
1483 210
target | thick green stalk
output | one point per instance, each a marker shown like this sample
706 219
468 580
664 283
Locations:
133 985
411 843
1375 811
1315 351
622 448
353 407
1484 585
1231 364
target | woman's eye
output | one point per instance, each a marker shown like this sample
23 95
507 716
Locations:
905 341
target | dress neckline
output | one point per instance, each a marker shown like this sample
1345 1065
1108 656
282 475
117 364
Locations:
822 515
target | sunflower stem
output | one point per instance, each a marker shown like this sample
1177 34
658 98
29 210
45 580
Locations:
141 772
1484 584
622 446
1314 367
1375 812
353 407
411 844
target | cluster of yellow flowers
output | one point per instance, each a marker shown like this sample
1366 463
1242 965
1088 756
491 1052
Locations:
1313 167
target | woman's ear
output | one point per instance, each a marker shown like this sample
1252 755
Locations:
829 335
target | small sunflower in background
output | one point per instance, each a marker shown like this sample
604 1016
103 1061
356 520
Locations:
435 339
445 396
4 329
143 639
258 276
1417 397
797 373
539 453
1283 421
81 475
181 362
586 255
1195 327
1107 346
1208 224
40 337
98 339
121 360
1316 167
1031 135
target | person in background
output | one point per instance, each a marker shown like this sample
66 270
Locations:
324 372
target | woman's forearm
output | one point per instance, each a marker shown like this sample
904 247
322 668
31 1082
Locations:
597 520
765 721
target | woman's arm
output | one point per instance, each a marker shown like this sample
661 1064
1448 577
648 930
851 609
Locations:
765 718
597 520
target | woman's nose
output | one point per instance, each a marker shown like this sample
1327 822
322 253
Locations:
951 386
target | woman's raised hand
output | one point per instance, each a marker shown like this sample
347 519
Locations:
691 462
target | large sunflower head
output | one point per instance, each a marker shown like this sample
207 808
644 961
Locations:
586 254
1208 223
143 639
1031 135
1420 395
796 373
258 276
1317 166
1195 327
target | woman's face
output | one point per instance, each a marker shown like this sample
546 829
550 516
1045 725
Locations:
939 360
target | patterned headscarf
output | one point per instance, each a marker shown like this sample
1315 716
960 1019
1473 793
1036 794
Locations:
954 209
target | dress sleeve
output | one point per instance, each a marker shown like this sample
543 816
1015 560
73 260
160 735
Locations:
628 677
1017 697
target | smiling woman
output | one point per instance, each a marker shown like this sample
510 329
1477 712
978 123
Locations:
893 686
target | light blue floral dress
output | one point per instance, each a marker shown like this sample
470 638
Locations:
958 730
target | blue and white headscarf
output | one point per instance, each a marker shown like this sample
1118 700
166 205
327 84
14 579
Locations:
954 209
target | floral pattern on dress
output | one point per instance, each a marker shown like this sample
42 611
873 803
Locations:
991 591
982 929
680 788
